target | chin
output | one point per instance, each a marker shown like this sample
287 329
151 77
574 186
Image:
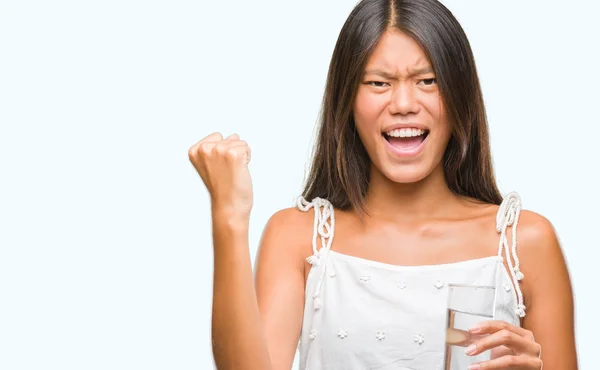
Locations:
405 174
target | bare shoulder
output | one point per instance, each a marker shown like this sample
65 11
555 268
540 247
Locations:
541 256
537 239
287 234
291 219
290 225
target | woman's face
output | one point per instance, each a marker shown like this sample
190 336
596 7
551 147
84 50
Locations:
398 111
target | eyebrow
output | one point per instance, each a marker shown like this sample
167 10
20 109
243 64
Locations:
415 72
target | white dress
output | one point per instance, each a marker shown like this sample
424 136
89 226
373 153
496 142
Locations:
361 314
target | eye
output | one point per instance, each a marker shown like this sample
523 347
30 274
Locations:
429 81
376 83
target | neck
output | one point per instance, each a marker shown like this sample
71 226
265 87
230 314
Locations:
427 198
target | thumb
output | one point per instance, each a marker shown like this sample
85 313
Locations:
232 137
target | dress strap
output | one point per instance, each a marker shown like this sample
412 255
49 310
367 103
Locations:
508 215
323 226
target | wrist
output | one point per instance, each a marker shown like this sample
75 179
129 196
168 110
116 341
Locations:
230 208
232 220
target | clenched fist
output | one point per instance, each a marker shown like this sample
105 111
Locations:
223 166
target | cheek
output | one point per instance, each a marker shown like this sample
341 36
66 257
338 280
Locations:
435 106
367 109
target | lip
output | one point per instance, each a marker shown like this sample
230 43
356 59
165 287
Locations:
405 125
412 152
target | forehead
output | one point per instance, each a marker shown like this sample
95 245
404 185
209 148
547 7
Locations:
397 51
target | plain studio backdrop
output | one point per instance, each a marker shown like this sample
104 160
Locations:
106 255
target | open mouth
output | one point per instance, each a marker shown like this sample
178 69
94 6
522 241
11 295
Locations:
406 139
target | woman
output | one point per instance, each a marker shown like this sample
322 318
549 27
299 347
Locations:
402 177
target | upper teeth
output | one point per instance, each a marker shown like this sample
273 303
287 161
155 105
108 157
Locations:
405 132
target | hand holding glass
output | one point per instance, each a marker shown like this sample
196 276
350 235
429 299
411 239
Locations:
468 305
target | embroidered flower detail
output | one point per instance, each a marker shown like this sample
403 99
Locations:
332 274
342 333
365 278
506 287
317 303
312 334
401 285
418 338
380 335
439 284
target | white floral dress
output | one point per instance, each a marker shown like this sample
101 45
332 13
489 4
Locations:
361 314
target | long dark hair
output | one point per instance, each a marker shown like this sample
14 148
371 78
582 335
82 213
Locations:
340 168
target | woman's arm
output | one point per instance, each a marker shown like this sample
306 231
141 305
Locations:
280 282
258 328
548 292
238 339
242 338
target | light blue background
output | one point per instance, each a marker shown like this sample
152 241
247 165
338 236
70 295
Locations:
105 245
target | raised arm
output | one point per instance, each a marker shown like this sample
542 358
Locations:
243 336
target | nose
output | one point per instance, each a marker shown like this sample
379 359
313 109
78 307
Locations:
403 100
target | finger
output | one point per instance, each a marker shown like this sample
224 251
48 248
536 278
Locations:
220 148
223 146
238 154
501 351
461 338
503 338
492 326
242 144
536 350
233 137
215 136
198 147
206 148
510 363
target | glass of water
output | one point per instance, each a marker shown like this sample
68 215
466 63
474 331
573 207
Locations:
468 305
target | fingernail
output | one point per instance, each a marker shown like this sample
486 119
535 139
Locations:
470 349
475 329
474 367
